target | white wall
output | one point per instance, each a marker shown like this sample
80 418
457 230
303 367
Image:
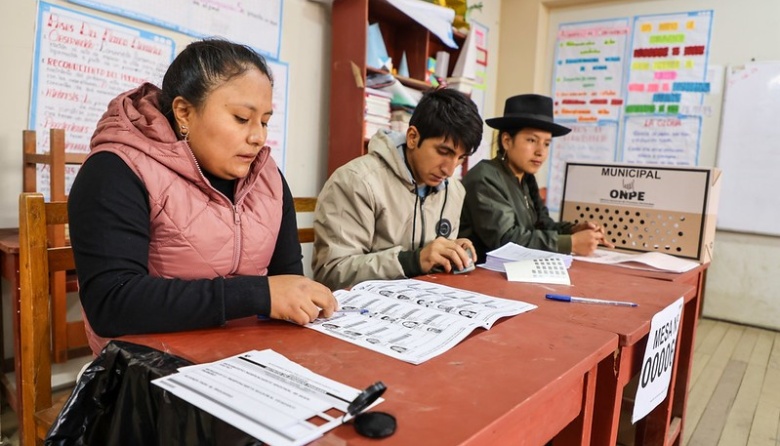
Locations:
742 281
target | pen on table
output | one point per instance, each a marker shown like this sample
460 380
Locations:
587 300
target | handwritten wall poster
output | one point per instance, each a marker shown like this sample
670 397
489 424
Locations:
663 140
589 63
80 63
588 96
256 23
668 71
277 126
480 88
585 143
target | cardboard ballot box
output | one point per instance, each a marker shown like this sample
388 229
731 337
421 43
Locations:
646 208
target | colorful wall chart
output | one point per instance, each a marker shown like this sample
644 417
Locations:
480 87
667 75
255 23
589 63
588 96
80 63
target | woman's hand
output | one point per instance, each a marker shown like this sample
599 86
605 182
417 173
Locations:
590 226
443 252
299 299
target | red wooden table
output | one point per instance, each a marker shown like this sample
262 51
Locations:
632 324
525 381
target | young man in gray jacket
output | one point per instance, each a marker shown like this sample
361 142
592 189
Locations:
394 212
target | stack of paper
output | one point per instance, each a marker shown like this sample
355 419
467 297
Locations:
377 114
512 252
546 270
649 261
402 95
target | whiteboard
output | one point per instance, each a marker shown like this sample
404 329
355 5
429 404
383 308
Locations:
749 150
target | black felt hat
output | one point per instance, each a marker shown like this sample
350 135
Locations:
528 110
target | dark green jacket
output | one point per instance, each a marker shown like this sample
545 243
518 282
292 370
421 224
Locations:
500 209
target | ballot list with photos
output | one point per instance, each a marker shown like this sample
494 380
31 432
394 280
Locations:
412 320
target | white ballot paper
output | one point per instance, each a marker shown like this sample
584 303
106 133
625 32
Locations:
546 270
412 320
648 261
265 395
512 252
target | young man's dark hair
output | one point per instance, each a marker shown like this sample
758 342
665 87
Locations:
448 113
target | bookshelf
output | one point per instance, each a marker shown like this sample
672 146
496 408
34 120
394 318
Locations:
348 66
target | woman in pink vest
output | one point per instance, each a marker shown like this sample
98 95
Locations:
179 218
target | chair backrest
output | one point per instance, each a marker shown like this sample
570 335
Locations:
68 338
38 258
305 205
56 159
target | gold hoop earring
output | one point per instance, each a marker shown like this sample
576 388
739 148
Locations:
184 131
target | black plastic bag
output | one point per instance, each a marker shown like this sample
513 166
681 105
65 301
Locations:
115 403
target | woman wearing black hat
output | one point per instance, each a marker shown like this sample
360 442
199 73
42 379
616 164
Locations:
503 203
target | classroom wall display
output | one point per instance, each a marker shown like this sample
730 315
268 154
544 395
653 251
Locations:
589 64
641 208
662 140
585 143
649 92
479 88
255 23
80 63
587 96
749 134
668 70
277 126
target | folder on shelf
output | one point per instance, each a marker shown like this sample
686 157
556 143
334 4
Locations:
376 56
403 69
466 66
437 19
402 95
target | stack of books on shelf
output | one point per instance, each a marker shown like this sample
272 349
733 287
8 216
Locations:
377 115
399 119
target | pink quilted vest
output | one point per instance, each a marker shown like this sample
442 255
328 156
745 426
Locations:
195 231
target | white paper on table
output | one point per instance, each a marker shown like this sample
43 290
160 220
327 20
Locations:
649 261
265 395
512 252
412 320
547 270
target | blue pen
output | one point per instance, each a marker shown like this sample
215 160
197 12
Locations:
587 300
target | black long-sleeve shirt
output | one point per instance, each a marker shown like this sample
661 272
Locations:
109 211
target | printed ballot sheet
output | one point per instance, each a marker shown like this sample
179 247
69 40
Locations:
648 261
512 252
265 395
412 320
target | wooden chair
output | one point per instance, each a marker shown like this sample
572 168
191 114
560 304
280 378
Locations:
38 260
305 205
68 338
56 159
